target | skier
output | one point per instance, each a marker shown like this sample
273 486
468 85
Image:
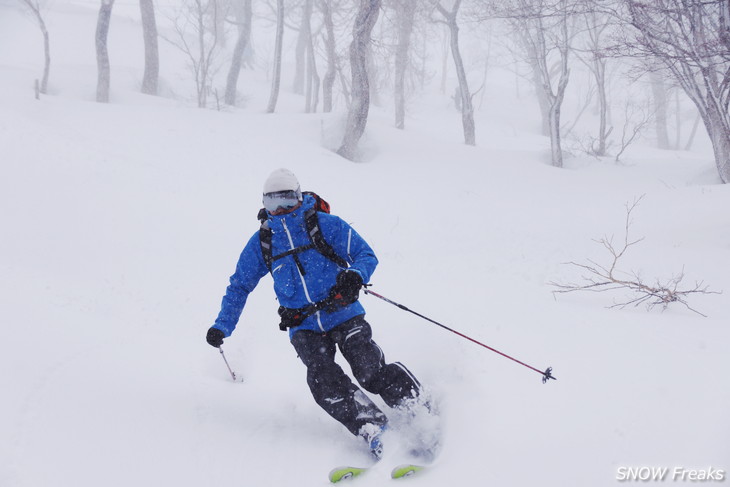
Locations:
317 285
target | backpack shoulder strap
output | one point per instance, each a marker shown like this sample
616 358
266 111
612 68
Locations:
311 219
265 240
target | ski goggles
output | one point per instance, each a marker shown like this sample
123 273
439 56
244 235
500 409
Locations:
281 200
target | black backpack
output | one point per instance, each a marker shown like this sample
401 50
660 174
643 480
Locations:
317 241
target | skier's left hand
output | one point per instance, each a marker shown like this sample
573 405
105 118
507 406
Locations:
215 337
346 289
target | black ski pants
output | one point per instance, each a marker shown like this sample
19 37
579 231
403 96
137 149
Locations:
333 389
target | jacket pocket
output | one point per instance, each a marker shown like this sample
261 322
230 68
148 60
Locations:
285 279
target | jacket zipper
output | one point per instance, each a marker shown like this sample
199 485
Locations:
301 276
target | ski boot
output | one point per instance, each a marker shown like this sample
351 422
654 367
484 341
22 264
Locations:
372 434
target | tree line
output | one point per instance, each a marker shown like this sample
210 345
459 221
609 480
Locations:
349 51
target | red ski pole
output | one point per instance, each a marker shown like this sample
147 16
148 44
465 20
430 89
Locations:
546 375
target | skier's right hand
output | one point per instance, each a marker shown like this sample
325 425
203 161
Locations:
215 337
346 289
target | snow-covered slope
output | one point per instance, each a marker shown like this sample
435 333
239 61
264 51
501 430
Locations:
122 222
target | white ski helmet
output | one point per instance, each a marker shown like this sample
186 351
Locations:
282 180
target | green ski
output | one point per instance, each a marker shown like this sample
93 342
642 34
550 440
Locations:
399 472
343 473
405 470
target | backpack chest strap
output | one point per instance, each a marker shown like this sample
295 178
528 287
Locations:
295 252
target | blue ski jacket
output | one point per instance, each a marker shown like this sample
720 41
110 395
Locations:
294 288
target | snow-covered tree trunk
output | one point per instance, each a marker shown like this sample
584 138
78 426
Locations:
151 51
276 76
556 99
357 117
313 80
543 101
556 102
659 96
597 24
102 53
202 66
405 13
719 132
328 81
603 130
244 37
303 40
444 62
467 107
34 6
217 24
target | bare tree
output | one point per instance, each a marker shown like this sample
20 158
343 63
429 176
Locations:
151 50
303 41
465 97
244 38
34 7
357 118
313 80
198 42
532 56
544 31
102 53
593 55
218 22
659 96
276 77
636 118
692 39
405 15
337 16
548 29
608 277
328 81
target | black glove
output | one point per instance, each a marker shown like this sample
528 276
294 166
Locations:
346 289
215 337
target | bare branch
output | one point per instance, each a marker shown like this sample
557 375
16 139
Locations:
604 278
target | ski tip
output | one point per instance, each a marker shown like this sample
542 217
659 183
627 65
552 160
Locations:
343 473
405 470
